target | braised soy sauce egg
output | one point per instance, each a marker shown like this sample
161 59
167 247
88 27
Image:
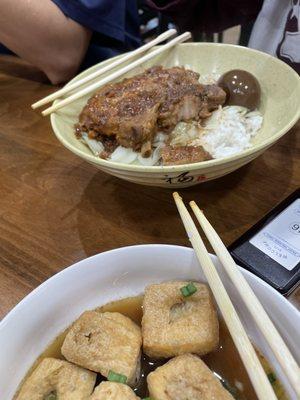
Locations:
241 87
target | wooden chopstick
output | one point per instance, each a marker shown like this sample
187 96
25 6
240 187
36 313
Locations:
182 38
248 355
109 67
263 321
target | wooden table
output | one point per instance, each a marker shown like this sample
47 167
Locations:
56 209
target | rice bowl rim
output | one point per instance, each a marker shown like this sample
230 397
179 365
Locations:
191 166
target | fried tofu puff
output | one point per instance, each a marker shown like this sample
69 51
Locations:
57 379
174 325
113 391
185 377
105 341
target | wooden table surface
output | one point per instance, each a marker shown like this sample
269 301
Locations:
56 209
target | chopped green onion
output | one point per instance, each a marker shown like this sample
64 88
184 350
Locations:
272 377
115 377
51 396
191 288
188 290
185 291
147 398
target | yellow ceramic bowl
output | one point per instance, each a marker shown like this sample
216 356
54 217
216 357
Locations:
280 106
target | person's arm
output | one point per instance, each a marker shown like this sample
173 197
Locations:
39 32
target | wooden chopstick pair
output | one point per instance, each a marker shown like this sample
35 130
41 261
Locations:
114 75
248 355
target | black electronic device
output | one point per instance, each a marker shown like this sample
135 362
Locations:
271 248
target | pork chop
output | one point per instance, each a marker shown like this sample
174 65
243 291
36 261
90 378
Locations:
179 155
134 109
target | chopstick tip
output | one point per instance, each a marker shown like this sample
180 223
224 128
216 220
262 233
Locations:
45 113
194 205
176 196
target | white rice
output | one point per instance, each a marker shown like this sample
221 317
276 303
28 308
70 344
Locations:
228 131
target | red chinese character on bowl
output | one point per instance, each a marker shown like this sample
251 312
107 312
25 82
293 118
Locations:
201 178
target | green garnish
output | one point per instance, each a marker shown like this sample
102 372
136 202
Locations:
147 398
272 377
51 396
188 290
115 377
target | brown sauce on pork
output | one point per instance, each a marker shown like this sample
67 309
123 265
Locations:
134 109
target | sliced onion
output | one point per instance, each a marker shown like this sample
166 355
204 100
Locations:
123 155
95 146
152 160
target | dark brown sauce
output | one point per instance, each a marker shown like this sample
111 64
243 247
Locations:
225 361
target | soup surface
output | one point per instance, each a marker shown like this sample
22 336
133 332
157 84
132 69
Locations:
225 362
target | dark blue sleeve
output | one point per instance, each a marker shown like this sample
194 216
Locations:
107 17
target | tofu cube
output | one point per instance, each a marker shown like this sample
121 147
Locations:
173 324
58 378
105 341
113 391
185 377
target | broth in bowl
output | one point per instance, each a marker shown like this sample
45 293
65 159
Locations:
179 327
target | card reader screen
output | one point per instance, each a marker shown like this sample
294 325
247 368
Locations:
280 239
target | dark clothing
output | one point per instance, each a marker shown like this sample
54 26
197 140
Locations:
114 23
208 16
4 50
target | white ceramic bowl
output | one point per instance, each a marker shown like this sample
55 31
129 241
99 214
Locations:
280 105
27 330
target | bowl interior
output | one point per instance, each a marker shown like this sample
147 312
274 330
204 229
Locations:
34 323
280 88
